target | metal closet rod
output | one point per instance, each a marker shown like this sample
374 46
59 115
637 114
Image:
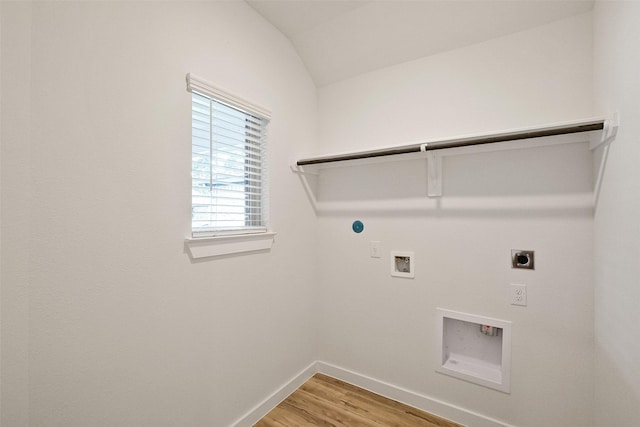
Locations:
460 142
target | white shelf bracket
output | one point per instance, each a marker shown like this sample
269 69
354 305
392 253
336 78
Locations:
302 174
609 132
434 172
299 171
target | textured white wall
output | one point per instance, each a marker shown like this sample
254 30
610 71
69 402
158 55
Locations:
116 327
617 230
14 156
537 199
123 329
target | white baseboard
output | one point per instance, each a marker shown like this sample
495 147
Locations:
264 407
412 398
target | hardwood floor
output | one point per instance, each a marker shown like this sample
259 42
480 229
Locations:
326 401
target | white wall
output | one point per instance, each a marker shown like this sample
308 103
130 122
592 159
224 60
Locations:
105 321
617 230
536 199
122 328
14 153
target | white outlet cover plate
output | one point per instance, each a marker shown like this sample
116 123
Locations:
518 294
374 249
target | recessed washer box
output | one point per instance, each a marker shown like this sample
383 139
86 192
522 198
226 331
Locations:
474 348
403 264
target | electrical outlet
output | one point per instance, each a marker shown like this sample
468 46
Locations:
518 294
522 259
374 249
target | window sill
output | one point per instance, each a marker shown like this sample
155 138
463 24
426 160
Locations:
205 247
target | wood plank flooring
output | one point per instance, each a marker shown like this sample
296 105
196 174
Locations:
328 402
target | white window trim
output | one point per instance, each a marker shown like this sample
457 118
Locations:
200 85
223 243
205 247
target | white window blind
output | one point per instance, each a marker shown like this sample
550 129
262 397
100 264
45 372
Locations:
228 164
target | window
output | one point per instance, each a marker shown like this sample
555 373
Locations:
228 172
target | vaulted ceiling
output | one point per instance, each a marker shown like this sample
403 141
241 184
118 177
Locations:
339 39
